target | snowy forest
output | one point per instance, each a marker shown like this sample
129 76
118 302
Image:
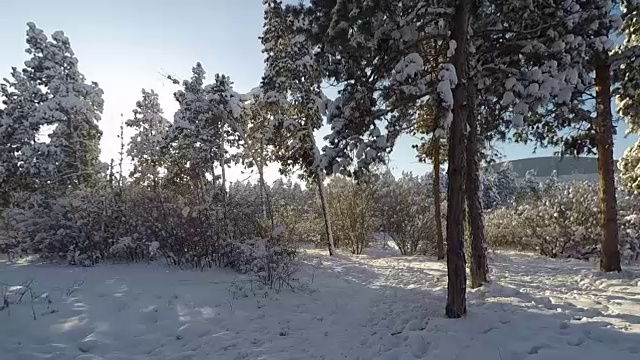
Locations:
386 259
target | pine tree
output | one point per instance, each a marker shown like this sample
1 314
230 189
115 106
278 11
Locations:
434 149
529 187
584 32
18 136
192 142
291 86
490 196
627 96
50 92
551 183
455 77
256 133
151 128
72 106
505 183
383 56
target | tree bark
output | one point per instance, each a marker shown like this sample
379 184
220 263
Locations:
437 202
224 188
610 257
325 212
264 190
457 278
478 260
265 197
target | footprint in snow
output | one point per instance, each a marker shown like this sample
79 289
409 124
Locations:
536 348
575 341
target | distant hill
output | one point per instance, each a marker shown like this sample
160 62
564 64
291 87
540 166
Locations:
544 166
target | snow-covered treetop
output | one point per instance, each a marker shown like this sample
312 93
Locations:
51 91
204 128
292 86
150 130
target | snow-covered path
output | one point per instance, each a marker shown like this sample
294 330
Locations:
351 307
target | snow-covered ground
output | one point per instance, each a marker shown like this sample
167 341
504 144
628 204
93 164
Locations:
350 307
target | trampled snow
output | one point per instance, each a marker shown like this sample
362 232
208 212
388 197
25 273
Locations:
376 306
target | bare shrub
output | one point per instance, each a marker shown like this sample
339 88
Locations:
406 213
352 204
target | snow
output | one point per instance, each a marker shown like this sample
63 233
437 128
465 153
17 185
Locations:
375 306
508 98
408 67
453 45
518 120
448 80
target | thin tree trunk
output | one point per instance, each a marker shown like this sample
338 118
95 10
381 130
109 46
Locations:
267 209
223 179
325 212
260 166
323 198
478 259
610 257
456 269
436 199
263 206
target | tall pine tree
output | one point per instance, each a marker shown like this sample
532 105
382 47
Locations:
150 129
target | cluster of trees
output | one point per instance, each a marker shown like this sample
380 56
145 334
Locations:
458 73
539 71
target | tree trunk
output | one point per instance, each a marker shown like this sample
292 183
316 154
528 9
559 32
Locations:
436 199
478 259
610 257
264 190
456 269
267 209
223 180
325 212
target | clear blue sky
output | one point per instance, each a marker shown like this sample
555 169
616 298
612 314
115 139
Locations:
125 45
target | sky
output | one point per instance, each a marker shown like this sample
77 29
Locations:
127 45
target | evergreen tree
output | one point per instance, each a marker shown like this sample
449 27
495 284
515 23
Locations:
628 97
256 131
151 128
433 149
505 182
202 134
18 136
629 166
291 86
551 183
192 143
584 32
50 92
529 186
490 198
72 106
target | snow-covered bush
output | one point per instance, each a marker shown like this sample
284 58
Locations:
504 229
406 212
271 261
629 225
563 221
299 211
134 223
70 226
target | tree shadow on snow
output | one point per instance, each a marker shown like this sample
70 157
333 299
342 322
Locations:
505 320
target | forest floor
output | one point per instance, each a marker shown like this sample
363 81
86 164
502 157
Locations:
376 306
